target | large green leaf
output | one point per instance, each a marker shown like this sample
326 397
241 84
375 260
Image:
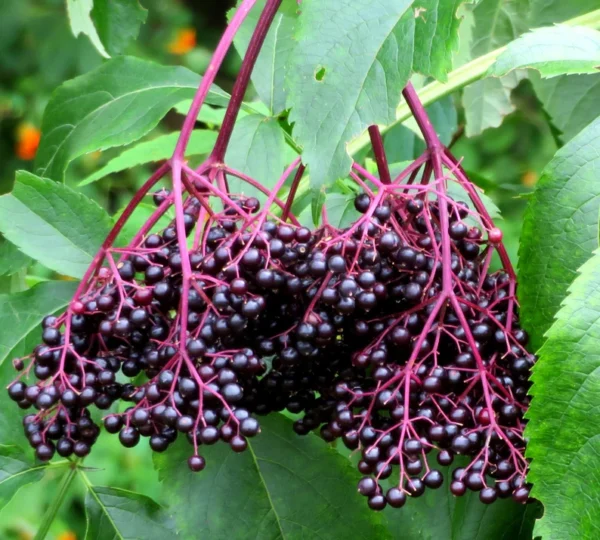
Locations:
117 22
81 22
556 50
257 149
11 259
560 230
269 73
22 312
570 100
564 424
350 65
16 471
159 148
120 514
487 102
283 486
53 224
113 105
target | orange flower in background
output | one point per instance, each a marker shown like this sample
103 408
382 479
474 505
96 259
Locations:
529 179
68 535
28 140
184 41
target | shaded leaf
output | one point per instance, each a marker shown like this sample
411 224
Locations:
11 426
53 224
283 486
257 149
333 99
120 514
564 425
571 101
340 209
439 515
81 23
545 12
118 22
487 102
556 50
560 230
495 23
457 192
269 73
23 312
140 215
404 142
16 471
157 149
113 105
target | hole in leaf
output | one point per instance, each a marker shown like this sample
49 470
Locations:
320 74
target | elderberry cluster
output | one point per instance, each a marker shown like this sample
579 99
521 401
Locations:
391 334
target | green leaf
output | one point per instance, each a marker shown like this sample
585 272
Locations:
117 513
340 209
283 486
16 471
436 36
269 73
457 192
438 515
81 23
140 215
118 22
157 149
545 12
556 50
560 230
11 259
257 149
487 102
570 100
53 224
113 105
333 99
564 425
11 426
23 312
404 141
209 115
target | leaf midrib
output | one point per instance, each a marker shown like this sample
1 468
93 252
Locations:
268 493
21 473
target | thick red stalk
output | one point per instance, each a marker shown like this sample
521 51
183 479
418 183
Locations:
292 194
379 152
209 77
243 79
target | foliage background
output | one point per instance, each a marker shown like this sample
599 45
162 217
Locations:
38 53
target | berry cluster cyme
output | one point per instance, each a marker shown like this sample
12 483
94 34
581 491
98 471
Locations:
393 334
